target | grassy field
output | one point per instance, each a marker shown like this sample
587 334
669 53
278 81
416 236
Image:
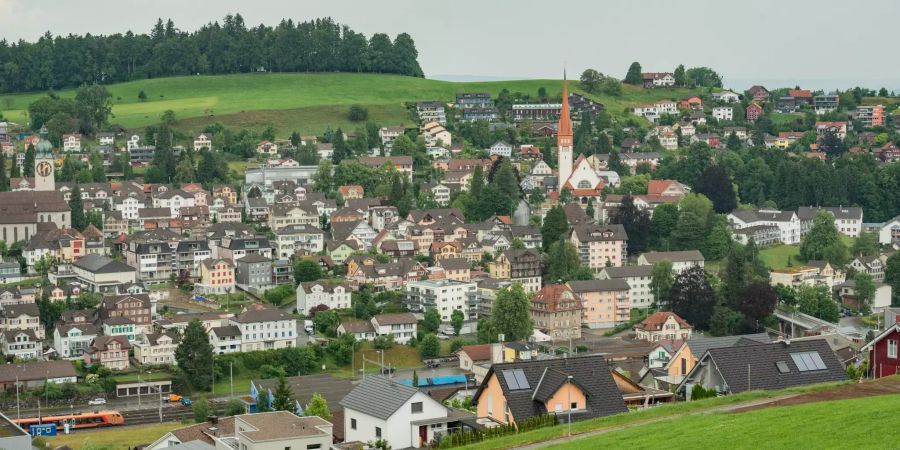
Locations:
631 419
835 424
114 438
305 102
777 257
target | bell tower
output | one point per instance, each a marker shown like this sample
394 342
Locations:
564 139
44 164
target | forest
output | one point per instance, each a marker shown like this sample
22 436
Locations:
320 45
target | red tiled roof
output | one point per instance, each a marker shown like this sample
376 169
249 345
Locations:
799 93
656 187
481 352
655 321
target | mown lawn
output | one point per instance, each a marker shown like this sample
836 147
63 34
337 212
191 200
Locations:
777 257
305 102
114 438
834 424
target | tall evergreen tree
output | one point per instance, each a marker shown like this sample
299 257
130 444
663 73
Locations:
4 175
717 187
281 398
194 355
636 222
692 297
79 218
28 164
555 226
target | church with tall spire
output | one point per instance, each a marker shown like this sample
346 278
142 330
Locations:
580 178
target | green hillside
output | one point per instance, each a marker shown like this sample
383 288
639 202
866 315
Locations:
834 424
306 102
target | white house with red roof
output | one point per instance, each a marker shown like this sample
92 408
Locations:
663 325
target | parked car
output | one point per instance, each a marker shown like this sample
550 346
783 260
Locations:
97 401
388 370
186 401
172 398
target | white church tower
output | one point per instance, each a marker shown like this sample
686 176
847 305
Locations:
564 140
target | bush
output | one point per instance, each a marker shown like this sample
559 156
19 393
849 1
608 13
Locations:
430 347
267 371
358 113
201 410
698 392
234 407
384 342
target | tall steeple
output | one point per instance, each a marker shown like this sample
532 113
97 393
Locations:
564 139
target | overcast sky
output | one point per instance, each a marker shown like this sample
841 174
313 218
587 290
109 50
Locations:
813 42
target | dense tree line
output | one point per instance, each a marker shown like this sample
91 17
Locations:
320 45
775 178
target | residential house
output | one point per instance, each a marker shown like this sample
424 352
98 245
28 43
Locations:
762 235
882 352
689 352
156 349
721 113
824 104
350 192
667 188
444 295
557 311
265 328
362 330
774 366
23 316
32 375
299 239
580 388
838 128
501 148
225 339
253 272
431 111
134 307
681 260
658 79
203 140
20 344
456 269
788 222
663 325
404 417
753 112
871 265
401 325
638 279
100 273
726 96
847 219
871 115
759 93
216 276
71 339
605 303
108 351
71 143
322 292
521 266
599 245
267 149
388 134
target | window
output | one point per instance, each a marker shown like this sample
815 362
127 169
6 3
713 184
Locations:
378 432
782 367
892 348
310 447
416 407
352 424
573 405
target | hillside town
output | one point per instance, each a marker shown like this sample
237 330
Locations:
502 262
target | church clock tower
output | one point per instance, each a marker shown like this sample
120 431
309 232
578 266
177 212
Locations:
44 165
564 140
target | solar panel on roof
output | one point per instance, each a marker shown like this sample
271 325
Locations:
807 361
520 378
515 379
510 378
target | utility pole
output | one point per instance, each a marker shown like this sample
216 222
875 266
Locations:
140 384
18 415
231 374
569 390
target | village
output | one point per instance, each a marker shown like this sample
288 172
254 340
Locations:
500 263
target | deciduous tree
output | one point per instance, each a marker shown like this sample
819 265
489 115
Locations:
692 297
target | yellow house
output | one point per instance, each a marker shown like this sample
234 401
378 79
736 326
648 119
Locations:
516 391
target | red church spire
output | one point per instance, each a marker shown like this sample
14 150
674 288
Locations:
565 121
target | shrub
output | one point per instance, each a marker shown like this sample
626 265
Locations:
358 113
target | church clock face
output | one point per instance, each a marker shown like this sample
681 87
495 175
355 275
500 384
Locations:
44 169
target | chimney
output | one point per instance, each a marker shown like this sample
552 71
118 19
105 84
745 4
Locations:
213 419
786 343
496 353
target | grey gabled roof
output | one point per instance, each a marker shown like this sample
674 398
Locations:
613 284
700 344
733 362
102 264
629 271
378 397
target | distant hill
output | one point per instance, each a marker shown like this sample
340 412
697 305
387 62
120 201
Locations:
305 102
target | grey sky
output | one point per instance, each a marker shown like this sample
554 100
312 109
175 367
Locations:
819 43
